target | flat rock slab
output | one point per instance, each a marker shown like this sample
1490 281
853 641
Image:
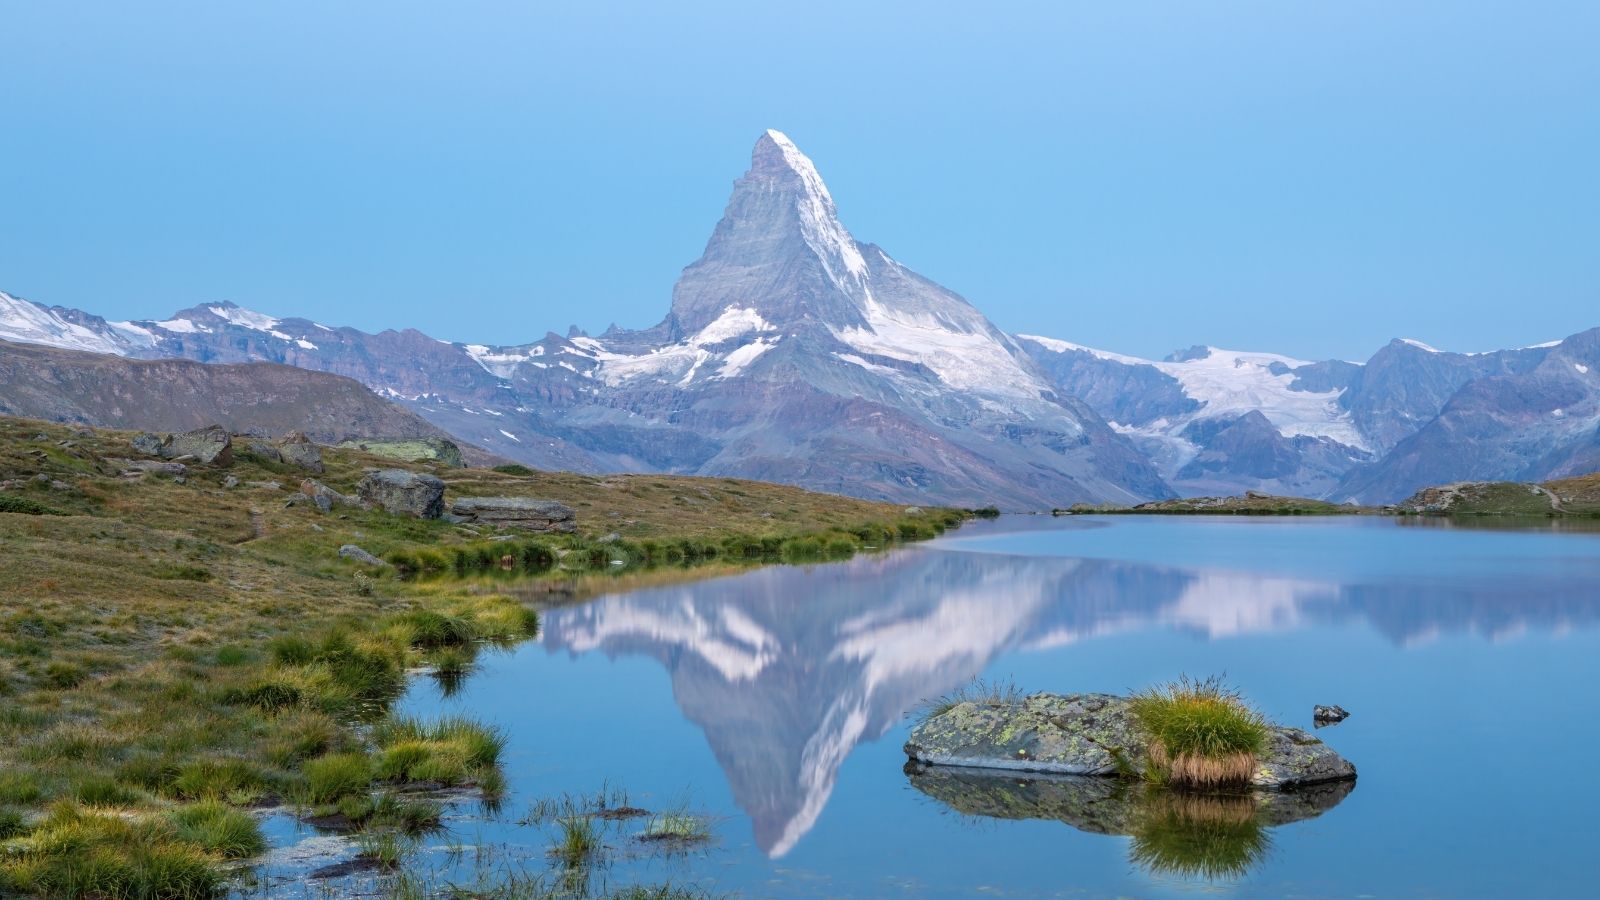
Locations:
1090 734
515 512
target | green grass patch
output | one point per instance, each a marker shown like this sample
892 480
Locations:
11 503
1201 733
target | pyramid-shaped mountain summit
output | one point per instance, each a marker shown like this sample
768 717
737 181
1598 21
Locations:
793 352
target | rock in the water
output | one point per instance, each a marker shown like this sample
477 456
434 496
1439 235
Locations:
351 551
1329 715
1090 734
211 445
147 444
404 493
516 512
297 450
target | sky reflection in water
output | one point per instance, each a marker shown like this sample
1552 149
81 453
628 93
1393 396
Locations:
777 700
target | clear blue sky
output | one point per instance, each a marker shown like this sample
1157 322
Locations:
1312 178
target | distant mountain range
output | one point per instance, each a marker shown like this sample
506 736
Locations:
795 353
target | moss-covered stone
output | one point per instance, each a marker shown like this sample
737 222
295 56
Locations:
1090 734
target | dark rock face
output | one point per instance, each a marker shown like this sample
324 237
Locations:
404 493
516 512
211 445
1091 734
179 395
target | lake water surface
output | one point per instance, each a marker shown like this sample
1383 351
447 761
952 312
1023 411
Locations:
776 702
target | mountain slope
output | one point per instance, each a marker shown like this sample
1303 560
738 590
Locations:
177 395
1525 423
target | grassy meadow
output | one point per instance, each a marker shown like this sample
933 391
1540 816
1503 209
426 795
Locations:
175 652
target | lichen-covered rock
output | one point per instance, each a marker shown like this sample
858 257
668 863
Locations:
325 498
147 444
297 450
403 493
356 554
515 512
211 445
1089 734
264 451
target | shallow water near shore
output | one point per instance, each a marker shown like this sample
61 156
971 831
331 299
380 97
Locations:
774 703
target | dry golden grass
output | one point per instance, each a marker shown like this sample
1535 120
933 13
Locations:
1194 770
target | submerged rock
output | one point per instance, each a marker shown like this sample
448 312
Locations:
404 493
1090 734
515 512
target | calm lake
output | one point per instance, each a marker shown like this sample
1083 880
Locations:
775 702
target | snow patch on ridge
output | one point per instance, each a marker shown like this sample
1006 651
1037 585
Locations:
681 362
247 318
966 360
819 218
30 323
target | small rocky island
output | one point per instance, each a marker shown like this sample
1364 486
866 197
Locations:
1102 734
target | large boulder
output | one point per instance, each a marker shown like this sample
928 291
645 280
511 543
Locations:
516 512
211 445
1090 734
297 450
403 493
436 450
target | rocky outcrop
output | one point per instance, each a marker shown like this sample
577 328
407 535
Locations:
1090 734
297 450
403 493
211 445
321 496
516 512
356 554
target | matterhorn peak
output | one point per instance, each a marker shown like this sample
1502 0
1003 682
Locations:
776 155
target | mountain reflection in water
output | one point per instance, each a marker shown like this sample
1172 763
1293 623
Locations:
786 669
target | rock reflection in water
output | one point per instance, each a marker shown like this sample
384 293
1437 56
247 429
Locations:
1204 837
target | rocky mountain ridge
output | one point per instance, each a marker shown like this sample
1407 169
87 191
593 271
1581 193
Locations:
793 352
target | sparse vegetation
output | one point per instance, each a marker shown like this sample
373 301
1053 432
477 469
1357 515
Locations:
170 651
1202 734
987 693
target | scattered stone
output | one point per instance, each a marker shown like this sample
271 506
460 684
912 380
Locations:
351 551
60 486
180 479
517 512
404 493
265 451
297 499
611 538
230 482
41 478
297 450
211 445
325 497
1090 734
913 510
264 485
136 467
1328 715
